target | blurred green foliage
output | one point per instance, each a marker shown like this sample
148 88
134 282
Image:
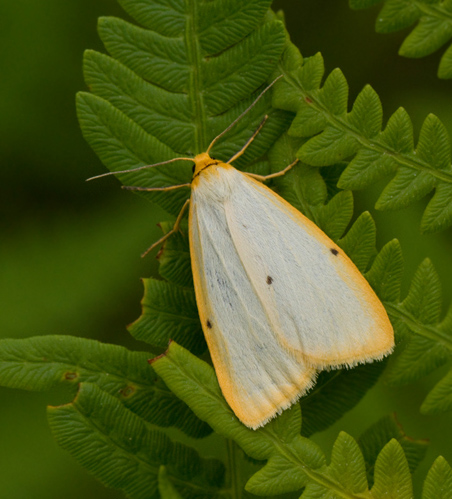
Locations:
70 250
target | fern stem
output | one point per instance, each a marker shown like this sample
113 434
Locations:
195 83
373 145
402 160
234 472
431 332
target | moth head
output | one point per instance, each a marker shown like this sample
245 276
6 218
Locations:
203 161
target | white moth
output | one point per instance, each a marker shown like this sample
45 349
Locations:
278 300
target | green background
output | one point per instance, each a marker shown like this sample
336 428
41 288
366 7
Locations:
70 250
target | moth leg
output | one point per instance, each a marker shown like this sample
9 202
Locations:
172 231
262 178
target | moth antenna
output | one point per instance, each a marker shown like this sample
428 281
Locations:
243 114
139 168
245 147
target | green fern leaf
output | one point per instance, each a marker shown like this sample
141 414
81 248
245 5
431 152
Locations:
360 241
379 434
433 30
347 468
178 99
423 300
174 256
438 484
45 362
439 400
302 186
306 190
335 393
121 450
416 320
195 382
385 275
445 65
160 95
169 312
429 35
332 134
335 216
392 475
293 461
426 340
397 15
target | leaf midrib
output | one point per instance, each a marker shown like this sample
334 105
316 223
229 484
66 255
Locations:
137 456
425 330
58 365
313 474
195 84
371 145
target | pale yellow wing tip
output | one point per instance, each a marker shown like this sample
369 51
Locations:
352 361
258 419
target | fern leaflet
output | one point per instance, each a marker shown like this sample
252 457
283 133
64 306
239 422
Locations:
124 452
434 28
293 461
334 135
427 339
45 362
160 95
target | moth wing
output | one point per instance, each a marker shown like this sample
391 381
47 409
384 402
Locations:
319 305
259 376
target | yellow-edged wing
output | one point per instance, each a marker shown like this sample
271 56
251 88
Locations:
278 300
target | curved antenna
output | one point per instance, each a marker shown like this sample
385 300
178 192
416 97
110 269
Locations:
139 168
244 112
248 142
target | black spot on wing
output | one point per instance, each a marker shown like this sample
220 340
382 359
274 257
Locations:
209 324
269 279
334 251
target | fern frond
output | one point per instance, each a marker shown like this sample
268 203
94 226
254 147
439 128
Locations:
433 29
293 461
335 134
392 477
169 312
379 434
45 362
159 95
438 484
169 87
124 452
174 256
427 339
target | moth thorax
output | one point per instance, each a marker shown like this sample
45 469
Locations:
202 161
215 183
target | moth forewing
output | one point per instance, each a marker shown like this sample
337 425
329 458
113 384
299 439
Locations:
278 300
